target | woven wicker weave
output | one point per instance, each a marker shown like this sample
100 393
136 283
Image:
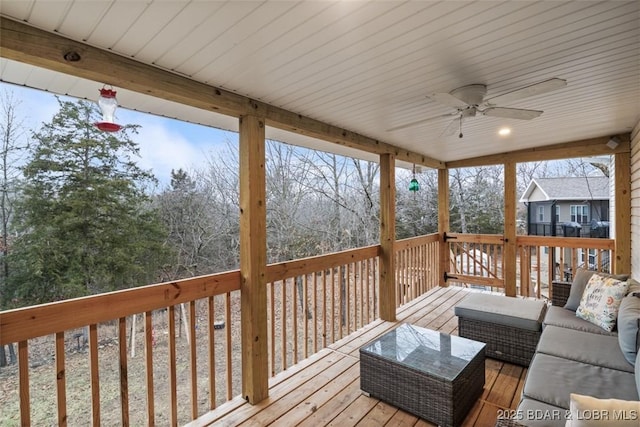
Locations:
506 343
560 293
507 423
443 402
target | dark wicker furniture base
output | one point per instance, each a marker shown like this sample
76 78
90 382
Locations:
507 423
560 293
431 397
506 343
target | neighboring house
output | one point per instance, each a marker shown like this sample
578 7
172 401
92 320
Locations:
568 206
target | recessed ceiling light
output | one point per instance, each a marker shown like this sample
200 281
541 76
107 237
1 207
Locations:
504 132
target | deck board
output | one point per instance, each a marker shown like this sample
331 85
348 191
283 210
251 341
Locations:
324 390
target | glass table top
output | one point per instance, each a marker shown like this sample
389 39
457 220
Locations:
435 353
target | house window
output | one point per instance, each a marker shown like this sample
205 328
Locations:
580 214
540 213
557 213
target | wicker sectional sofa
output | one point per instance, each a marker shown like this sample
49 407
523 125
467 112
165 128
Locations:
575 356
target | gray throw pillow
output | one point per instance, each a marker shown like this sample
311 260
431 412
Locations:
629 327
579 283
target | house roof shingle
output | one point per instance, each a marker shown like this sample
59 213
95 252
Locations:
570 188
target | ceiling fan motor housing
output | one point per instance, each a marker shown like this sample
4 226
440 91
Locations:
470 94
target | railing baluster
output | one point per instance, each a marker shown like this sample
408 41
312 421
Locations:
211 318
124 380
324 308
305 315
173 394
283 334
294 323
23 366
193 368
314 303
348 292
95 378
333 305
148 359
61 392
229 356
272 309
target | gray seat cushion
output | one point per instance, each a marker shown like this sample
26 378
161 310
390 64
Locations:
629 327
516 312
558 316
594 349
551 379
534 413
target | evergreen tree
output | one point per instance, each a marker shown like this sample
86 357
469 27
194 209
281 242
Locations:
84 223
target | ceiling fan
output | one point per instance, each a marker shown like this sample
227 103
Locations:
469 101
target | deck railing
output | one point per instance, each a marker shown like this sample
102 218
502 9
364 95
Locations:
477 261
542 260
417 261
187 336
96 332
189 330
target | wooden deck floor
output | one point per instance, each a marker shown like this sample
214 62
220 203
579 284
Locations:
324 390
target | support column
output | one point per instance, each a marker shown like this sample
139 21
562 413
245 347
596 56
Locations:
387 237
622 262
443 224
253 259
509 253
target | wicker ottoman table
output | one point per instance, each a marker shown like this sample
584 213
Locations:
433 375
510 327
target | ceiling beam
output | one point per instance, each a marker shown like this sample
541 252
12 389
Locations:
566 150
27 44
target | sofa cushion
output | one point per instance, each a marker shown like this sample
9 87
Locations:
558 316
634 286
585 347
516 312
552 379
637 370
534 413
587 411
601 300
579 283
629 327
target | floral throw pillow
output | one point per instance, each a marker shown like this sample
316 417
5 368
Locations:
600 301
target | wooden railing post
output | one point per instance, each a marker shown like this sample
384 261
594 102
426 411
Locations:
622 262
253 259
443 224
510 249
387 237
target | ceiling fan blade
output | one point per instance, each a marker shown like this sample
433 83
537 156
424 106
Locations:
511 113
452 127
448 99
419 122
524 92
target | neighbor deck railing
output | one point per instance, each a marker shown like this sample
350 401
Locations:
311 303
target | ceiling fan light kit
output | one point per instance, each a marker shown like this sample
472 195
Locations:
470 101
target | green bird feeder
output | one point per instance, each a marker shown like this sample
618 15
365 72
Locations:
413 185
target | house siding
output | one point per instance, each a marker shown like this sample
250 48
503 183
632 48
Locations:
635 202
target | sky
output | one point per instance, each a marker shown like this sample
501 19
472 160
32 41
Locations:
164 143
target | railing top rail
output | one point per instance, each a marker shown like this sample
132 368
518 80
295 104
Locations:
412 242
299 267
567 242
494 239
30 322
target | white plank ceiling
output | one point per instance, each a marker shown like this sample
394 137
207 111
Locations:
369 66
